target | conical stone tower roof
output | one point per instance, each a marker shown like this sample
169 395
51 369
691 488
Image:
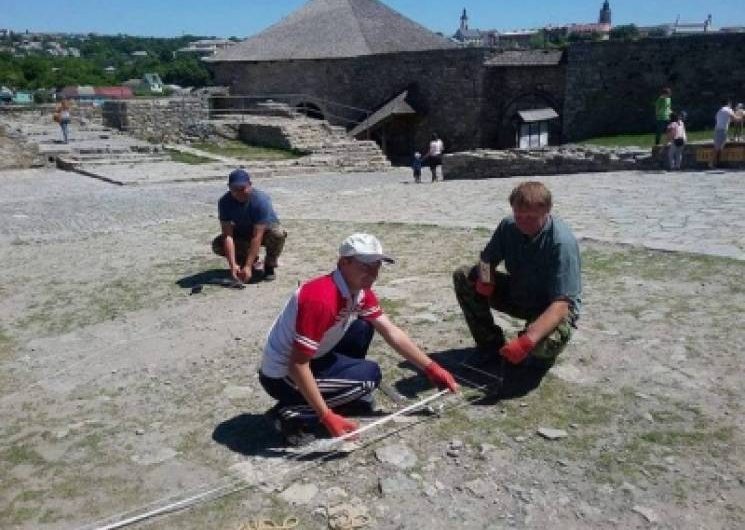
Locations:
325 29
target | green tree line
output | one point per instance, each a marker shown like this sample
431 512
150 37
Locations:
40 70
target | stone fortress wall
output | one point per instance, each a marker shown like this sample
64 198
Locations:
445 86
597 89
163 120
611 86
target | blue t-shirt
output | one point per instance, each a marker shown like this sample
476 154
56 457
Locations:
257 210
541 269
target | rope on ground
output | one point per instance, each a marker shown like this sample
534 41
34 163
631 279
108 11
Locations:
231 485
267 524
348 517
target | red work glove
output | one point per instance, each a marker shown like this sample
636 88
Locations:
440 377
517 349
484 289
337 425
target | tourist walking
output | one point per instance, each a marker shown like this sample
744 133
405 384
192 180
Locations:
721 125
434 155
416 167
676 140
62 116
663 107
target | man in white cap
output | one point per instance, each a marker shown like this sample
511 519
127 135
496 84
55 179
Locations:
314 358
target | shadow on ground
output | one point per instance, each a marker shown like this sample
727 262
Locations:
497 380
219 277
253 435
247 434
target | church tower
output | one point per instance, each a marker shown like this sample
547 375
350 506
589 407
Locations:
464 20
605 13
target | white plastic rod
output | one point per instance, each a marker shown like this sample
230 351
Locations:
386 419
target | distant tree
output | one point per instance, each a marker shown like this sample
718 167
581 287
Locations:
537 40
625 32
186 71
657 32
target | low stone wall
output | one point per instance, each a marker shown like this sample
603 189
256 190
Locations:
489 163
264 135
161 120
698 155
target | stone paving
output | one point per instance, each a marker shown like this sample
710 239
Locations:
701 212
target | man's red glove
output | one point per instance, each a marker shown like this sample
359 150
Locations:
337 425
517 349
440 377
484 289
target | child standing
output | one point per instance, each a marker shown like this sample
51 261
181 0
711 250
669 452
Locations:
417 167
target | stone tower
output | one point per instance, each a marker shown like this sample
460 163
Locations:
464 20
605 13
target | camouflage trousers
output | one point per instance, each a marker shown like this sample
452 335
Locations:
477 311
273 241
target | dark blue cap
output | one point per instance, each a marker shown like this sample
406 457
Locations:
239 177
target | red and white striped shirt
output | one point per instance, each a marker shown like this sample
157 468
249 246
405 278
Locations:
314 320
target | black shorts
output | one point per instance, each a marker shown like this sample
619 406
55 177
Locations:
435 161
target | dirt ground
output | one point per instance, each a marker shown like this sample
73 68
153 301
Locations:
15 154
121 391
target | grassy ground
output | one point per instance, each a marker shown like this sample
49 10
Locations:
187 158
236 149
642 139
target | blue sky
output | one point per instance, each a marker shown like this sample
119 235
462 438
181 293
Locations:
241 18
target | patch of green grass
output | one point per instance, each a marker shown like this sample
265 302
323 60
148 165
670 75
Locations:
237 149
392 308
187 158
17 515
68 306
21 454
642 139
609 262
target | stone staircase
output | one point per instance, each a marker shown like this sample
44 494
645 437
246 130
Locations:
116 157
328 146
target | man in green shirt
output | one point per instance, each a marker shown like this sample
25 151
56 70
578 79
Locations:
663 107
542 286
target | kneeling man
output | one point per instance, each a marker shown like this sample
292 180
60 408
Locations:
314 358
542 285
248 222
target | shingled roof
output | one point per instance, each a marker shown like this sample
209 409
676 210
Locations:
325 29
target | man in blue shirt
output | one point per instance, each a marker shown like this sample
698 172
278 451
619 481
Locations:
248 221
542 284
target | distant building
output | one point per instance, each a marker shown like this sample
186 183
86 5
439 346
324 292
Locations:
692 28
6 95
95 94
205 47
466 36
153 83
517 39
23 97
110 69
678 28
139 53
604 17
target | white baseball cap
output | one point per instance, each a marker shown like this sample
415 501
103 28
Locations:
363 247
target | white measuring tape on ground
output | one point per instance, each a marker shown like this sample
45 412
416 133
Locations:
233 485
